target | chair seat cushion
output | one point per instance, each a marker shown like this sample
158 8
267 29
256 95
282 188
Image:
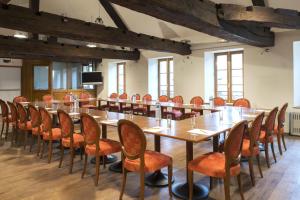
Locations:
36 131
77 140
106 147
246 149
276 130
263 137
56 134
153 162
89 106
25 126
212 164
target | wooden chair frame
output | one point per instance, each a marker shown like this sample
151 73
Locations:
280 126
35 124
23 120
14 117
5 118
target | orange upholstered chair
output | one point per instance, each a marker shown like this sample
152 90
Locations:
197 101
47 99
84 100
93 145
221 165
24 125
69 139
176 112
142 109
163 98
218 101
6 118
136 158
36 128
266 135
67 100
123 96
242 103
130 107
49 134
113 106
13 119
279 129
20 99
250 148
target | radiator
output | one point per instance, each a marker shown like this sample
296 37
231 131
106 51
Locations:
295 123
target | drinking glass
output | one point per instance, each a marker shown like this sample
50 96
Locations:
193 121
169 121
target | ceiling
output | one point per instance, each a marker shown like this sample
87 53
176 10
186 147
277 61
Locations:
137 22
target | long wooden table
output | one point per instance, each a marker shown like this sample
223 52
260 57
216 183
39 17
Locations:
212 126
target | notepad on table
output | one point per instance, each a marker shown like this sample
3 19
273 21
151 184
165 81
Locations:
201 132
155 129
110 121
53 111
96 117
74 113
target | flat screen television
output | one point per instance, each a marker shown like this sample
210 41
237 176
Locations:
92 78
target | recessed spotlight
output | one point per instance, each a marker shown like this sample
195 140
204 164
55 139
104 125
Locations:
91 45
222 40
20 35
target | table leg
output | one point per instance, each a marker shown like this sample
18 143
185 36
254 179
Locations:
157 179
148 110
109 158
181 190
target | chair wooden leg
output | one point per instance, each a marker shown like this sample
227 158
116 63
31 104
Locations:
283 141
267 154
123 183
50 147
211 182
84 166
3 123
272 147
170 175
43 148
279 143
259 167
250 161
142 184
190 183
104 161
71 159
6 133
38 145
227 188
97 169
31 143
240 186
25 138
81 152
12 136
62 152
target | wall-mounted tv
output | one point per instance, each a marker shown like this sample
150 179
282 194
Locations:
92 78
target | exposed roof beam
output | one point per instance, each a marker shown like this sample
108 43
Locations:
19 18
36 49
260 16
5 1
34 5
200 16
113 14
259 3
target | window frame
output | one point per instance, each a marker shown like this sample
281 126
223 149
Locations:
124 77
168 60
229 73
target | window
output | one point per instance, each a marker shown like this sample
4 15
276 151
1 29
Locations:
166 77
41 77
229 83
121 86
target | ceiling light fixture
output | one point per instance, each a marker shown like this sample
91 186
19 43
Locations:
222 40
20 35
91 45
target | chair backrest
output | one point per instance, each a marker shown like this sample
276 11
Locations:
197 100
233 144
113 95
270 121
255 129
66 124
147 97
137 97
35 116
281 116
84 95
163 98
46 120
20 99
123 96
242 103
177 99
218 101
90 129
67 100
132 139
4 108
47 98
13 111
22 113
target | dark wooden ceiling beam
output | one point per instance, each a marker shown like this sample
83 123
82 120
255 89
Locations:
200 16
34 5
260 16
36 49
111 11
259 3
5 1
19 18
